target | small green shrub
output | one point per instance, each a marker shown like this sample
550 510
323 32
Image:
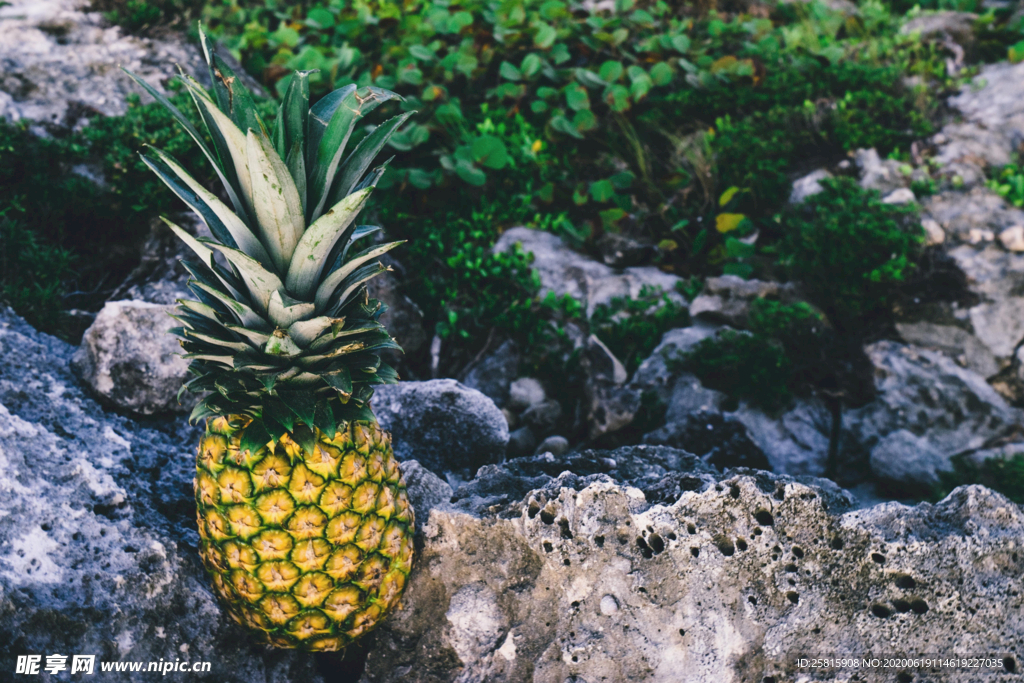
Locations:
744 366
1008 182
850 251
32 273
1005 475
49 213
631 328
141 16
785 353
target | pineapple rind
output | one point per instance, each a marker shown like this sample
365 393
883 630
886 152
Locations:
310 551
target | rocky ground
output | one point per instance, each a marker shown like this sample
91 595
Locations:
709 550
625 565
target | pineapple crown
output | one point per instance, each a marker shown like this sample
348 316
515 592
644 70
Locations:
283 329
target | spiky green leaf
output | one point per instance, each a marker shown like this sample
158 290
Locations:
260 282
293 115
278 411
320 115
275 200
323 419
304 436
230 140
224 223
284 310
280 344
332 281
311 253
352 284
217 341
218 166
204 252
234 98
254 336
296 163
254 437
335 137
341 381
200 308
301 403
246 316
355 167
305 331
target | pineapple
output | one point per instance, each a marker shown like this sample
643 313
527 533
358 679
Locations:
304 521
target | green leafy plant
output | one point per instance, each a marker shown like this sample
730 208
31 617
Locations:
744 366
613 101
1008 182
785 353
59 242
632 327
850 250
140 16
32 273
1005 475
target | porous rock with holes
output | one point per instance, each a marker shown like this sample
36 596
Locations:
585 580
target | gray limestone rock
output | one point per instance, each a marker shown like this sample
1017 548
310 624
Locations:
61 63
426 491
564 271
610 405
958 26
958 213
556 445
659 472
726 299
695 418
808 186
955 342
97 541
908 460
130 361
525 392
493 374
927 395
654 375
995 276
444 425
543 416
990 125
521 442
727 582
795 442
878 174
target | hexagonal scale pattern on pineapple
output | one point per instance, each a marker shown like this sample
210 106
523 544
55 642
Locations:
309 549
